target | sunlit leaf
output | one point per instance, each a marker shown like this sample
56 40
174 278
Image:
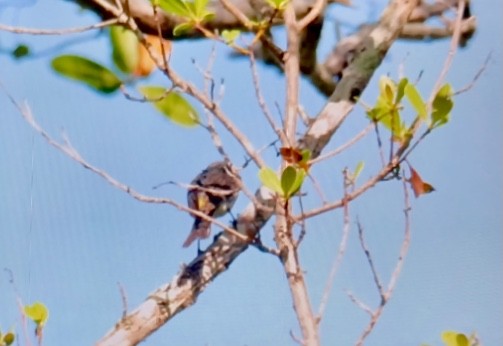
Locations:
173 105
442 106
393 122
306 155
358 169
125 48
182 29
201 9
86 71
277 4
270 179
177 7
291 180
419 187
416 101
304 163
37 312
452 338
380 110
400 90
230 36
387 89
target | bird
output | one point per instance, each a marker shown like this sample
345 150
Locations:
213 192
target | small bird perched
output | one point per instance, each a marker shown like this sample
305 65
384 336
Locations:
213 192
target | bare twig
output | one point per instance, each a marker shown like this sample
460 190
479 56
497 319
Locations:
317 188
476 77
340 254
265 110
370 261
123 299
66 31
386 295
199 95
359 303
67 149
450 55
346 145
317 8
236 12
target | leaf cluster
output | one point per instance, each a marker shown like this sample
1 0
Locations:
292 176
131 61
388 108
194 13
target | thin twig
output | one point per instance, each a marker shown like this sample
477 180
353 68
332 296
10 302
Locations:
124 300
66 31
303 229
379 143
340 254
316 9
405 244
317 188
190 89
20 306
476 77
208 87
346 145
452 52
376 314
236 12
359 303
72 153
260 98
370 261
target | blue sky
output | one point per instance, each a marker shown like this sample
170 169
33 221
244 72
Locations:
69 237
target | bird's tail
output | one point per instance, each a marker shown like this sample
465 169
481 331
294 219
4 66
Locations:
200 230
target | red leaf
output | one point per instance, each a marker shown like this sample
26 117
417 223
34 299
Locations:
419 186
291 155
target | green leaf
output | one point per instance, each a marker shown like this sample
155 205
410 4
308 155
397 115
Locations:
177 7
201 9
173 105
452 338
416 100
380 110
442 106
21 51
269 179
125 48
400 89
86 71
387 89
277 4
37 312
182 28
7 339
306 155
291 180
393 122
358 169
230 36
